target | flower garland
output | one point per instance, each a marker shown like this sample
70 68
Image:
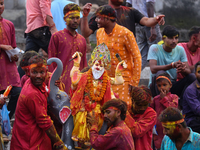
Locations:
90 87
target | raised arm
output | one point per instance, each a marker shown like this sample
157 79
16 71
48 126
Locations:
85 30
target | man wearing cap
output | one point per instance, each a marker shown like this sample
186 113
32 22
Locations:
178 135
118 136
33 128
65 43
91 89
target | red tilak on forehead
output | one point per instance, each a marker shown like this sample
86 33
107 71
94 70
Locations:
114 108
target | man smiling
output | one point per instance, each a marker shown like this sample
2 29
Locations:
33 128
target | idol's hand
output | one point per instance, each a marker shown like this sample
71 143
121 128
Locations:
121 66
77 57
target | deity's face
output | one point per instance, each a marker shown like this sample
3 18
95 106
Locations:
98 69
163 85
73 20
171 42
197 73
111 116
117 2
37 75
1 7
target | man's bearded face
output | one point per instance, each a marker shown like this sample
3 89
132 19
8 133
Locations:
98 69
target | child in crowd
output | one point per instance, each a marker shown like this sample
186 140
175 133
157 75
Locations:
162 101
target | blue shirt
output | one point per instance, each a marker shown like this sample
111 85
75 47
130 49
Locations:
57 7
192 143
156 52
191 102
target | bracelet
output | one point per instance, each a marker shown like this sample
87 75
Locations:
118 73
156 19
172 64
76 64
51 26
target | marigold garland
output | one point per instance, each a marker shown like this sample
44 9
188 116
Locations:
90 87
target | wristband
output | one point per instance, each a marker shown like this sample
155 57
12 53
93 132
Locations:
118 73
76 64
172 64
51 26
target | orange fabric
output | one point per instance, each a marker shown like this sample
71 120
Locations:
122 41
123 92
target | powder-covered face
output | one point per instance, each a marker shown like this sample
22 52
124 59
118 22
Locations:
110 116
73 19
37 75
172 131
98 69
138 108
171 42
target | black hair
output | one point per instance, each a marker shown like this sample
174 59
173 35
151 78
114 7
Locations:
108 11
26 56
197 64
40 60
118 103
163 74
172 114
194 30
170 31
70 7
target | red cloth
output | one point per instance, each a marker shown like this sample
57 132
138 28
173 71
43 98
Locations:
141 126
78 95
9 74
192 58
117 138
31 120
159 104
63 45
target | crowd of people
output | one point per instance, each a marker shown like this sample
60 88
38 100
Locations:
109 108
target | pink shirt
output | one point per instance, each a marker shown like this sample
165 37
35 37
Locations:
192 58
36 12
9 74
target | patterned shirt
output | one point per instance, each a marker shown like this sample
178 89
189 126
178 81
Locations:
192 143
63 45
122 41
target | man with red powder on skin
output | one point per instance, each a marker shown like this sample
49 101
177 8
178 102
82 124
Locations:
141 118
33 128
